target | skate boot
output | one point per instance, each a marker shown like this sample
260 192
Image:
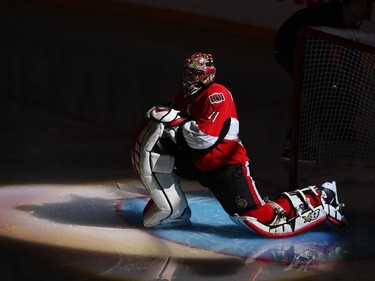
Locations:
331 204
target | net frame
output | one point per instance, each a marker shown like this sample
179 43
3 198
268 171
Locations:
354 41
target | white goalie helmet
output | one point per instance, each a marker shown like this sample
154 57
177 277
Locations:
197 70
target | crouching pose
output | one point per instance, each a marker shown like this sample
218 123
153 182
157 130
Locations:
203 130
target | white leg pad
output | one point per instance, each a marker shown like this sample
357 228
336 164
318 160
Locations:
283 228
169 200
306 217
155 171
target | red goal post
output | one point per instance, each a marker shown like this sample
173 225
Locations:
333 115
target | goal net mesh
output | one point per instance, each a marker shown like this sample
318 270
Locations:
336 97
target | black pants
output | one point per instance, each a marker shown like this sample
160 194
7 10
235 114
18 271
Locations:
233 188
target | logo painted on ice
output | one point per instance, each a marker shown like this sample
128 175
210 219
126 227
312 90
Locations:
216 98
312 216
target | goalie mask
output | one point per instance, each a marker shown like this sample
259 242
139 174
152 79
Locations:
198 70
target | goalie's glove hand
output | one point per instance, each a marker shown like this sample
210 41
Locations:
166 115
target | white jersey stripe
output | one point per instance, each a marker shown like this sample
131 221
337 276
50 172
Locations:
195 138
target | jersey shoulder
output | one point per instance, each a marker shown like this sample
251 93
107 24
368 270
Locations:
217 94
216 87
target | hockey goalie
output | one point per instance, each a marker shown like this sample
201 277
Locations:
199 139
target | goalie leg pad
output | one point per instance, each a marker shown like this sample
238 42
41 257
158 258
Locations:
155 171
169 200
306 217
280 227
152 214
330 202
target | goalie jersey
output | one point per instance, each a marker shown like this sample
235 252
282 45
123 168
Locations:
213 130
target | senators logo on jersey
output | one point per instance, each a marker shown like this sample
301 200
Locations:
216 98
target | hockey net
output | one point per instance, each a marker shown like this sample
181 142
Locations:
333 127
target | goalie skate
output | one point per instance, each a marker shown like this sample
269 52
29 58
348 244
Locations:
331 204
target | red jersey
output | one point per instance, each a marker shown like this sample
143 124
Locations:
213 132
